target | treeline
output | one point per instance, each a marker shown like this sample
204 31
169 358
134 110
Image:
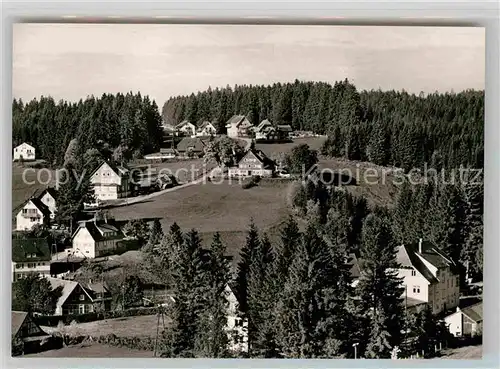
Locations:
387 128
445 210
130 122
295 295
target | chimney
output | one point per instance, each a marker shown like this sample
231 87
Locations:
420 245
90 281
458 309
105 218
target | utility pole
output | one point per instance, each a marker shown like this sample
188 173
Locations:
355 345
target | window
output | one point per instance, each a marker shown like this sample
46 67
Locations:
238 322
416 289
413 273
437 273
82 297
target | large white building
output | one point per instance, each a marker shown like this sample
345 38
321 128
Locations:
110 182
24 152
238 126
93 239
429 276
34 212
49 198
253 163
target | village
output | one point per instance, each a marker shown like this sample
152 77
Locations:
43 247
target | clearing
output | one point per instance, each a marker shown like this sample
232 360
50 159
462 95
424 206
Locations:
26 180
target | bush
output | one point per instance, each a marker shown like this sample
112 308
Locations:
252 182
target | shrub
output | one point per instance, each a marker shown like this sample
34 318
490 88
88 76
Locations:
253 181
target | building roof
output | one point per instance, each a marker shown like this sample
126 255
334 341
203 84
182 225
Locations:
183 123
284 128
235 120
96 230
21 247
67 288
355 268
268 163
204 124
50 190
474 312
262 125
17 320
408 256
410 302
44 209
119 170
187 142
24 144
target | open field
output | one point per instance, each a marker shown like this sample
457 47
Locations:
134 326
94 350
210 207
183 170
464 353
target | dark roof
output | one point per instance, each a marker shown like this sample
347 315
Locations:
474 312
41 206
355 268
182 124
203 124
93 229
410 302
17 320
284 128
407 258
194 142
50 190
236 119
21 247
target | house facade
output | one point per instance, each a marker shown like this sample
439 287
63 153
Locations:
253 163
467 321
34 212
265 131
93 239
191 147
110 182
206 129
30 255
186 128
79 298
237 328
24 152
238 126
49 198
429 276
27 336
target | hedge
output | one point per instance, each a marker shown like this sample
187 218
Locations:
53 320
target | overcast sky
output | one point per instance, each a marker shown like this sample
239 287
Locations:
72 61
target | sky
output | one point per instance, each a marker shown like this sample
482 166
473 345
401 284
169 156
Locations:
72 61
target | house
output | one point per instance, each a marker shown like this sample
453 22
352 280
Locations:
238 126
93 239
26 334
237 328
30 255
206 129
253 163
429 276
80 298
264 130
186 128
284 131
355 269
49 198
110 182
467 321
191 147
24 152
34 212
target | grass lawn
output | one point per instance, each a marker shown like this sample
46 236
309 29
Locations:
211 207
134 326
183 170
94 350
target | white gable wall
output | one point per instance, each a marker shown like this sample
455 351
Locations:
48 200
24 151
28 216
83 244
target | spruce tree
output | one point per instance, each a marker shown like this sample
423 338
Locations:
310 308
285 250
401 222
212 339
246 257
379 287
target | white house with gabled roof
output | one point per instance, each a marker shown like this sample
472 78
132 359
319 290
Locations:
110 182
24 152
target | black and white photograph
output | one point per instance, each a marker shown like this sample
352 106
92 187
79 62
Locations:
247 191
